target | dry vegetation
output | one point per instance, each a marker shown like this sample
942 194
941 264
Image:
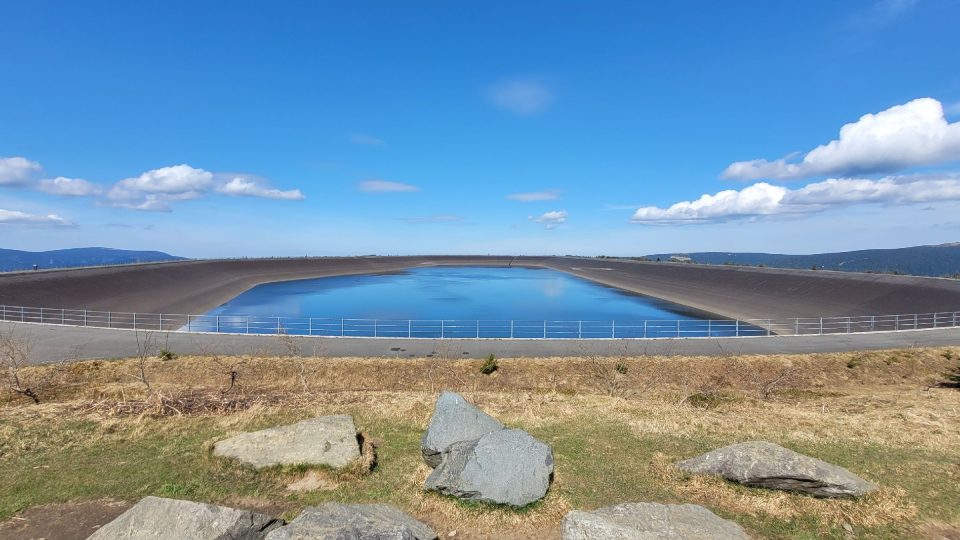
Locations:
125 429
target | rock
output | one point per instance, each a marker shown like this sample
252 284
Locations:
767 465
159 518
335 521
649 521
327 440
454 420
508 466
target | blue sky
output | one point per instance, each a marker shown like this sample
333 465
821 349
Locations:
248 129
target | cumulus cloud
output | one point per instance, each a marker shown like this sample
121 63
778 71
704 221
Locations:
763 199
70 187
246 187
913 134
552 219
523 97
17 171
369 140
386 186
534 196
15 217
154 190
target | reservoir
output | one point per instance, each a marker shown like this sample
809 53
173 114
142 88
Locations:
457 302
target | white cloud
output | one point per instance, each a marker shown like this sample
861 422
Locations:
385 186
552 219
533 196
155 190
523 97
70 187
369 140
436 218
881 14
14 217
764 199
914 134
246 187
17 171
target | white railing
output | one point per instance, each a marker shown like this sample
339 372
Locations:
490 329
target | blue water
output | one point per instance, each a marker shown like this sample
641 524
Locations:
449 301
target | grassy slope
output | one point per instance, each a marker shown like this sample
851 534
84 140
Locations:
614 435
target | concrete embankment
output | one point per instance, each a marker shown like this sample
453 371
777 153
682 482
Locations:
734 292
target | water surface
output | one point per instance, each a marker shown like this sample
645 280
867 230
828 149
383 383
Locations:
455 302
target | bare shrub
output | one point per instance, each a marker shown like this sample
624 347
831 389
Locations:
14 355
147 349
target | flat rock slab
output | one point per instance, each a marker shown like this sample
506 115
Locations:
767 465
454 420
508 466
649 521
335 521
326 440
159 518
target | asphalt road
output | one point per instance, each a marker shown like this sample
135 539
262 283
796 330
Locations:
57 343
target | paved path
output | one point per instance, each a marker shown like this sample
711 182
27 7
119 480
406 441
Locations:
53 343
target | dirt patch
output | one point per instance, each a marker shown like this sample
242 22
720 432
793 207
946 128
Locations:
62 521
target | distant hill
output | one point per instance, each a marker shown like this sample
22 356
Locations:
11 259
939 260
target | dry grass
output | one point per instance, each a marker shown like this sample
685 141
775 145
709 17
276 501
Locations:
879 414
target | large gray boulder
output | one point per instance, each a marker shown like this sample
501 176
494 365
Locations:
508 466
160 519
334 521
454 420
327 440
649 521
767 465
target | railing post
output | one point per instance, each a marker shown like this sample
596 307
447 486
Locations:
544 329
247 318
478 328
409 328
84 317
678 327
109 319
709 328
796 326
310 326
579 329
873 323
896 322
916 321
218 324
341 328
41 315
511 327
62 312
821 327
189 322
613 329
644 328
738 327
768 327
161 322
441 328
278 325
849 324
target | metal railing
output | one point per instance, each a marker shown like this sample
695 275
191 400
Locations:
490 329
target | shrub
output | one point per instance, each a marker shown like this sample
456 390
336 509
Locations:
489 365
166 355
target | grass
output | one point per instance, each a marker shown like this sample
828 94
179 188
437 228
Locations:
98 434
